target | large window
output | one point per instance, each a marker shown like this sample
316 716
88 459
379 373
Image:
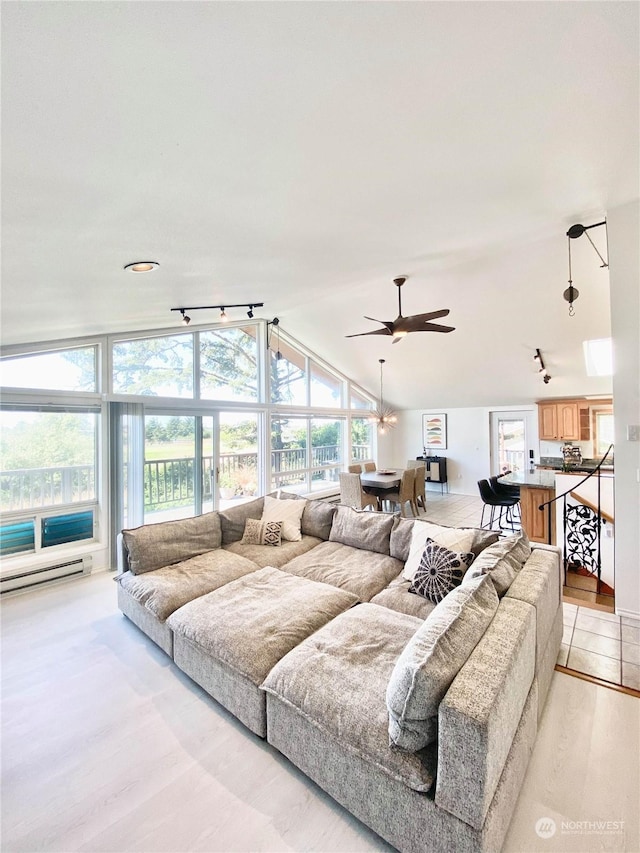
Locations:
175 426
48 464
157 367
361 439
63 370
325 388
306 453
229 364
288 375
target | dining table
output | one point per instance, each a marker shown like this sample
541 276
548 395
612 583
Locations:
381 482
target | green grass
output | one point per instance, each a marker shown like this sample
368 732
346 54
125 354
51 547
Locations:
182 449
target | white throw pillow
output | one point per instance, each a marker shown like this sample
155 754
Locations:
288 512
453 538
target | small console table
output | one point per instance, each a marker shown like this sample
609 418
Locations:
435 470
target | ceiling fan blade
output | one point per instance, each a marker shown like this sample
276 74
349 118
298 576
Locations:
387 323
434 327
416 323
430 315
384 331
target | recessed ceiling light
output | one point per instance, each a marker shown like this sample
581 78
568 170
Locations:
142 266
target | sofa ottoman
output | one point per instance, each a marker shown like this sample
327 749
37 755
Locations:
148 599
229 640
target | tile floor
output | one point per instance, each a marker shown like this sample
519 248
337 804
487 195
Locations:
596 643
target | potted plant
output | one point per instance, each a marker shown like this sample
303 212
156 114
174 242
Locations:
226 486
247 480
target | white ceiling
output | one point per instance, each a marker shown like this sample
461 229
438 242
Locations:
304 154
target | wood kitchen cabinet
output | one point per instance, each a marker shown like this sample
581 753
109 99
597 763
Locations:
534 521
559 420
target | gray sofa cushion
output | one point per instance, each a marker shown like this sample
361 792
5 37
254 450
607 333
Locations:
317 519
364 573
537 584
502 561
400 541
266 555
167 589
367 530
233 520
397 597
431 660
256 620
348 663
153 546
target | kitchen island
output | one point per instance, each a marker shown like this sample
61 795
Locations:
536 488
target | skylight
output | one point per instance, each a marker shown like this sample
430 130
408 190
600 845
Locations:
598 357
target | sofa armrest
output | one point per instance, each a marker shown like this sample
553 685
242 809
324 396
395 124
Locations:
122 555
479 716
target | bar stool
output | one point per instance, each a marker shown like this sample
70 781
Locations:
504 503
507 490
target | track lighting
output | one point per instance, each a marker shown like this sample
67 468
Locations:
571 293
224 317
542 369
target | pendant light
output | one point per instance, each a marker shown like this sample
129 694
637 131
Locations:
384 416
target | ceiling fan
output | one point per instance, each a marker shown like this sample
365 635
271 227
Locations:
401 326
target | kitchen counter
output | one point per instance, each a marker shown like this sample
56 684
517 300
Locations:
555 463
540 479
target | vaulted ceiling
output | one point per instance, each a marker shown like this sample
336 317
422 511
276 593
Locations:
304 155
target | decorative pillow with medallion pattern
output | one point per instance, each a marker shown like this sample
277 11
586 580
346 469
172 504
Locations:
262 532
440 571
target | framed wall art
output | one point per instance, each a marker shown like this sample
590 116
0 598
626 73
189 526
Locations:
434 431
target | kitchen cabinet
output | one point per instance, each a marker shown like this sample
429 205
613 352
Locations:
569 420
535 521
559 420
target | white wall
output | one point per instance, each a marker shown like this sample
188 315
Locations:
623 225
468 444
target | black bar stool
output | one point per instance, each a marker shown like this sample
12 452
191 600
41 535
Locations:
503 503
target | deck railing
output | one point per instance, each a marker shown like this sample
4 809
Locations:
35 488
167 482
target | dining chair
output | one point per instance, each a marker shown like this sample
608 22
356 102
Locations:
352 493
369 466
414 463
419 494
406 492
356 468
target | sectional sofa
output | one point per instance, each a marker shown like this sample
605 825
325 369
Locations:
418 717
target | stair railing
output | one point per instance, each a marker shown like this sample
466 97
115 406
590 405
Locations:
581 528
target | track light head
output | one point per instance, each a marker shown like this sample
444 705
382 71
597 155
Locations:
250 312
185 319
223 315
546 378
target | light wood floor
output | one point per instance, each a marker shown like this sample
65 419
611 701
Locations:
107 747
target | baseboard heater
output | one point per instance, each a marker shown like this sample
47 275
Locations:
45 574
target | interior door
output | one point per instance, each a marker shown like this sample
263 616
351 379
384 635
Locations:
512 436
